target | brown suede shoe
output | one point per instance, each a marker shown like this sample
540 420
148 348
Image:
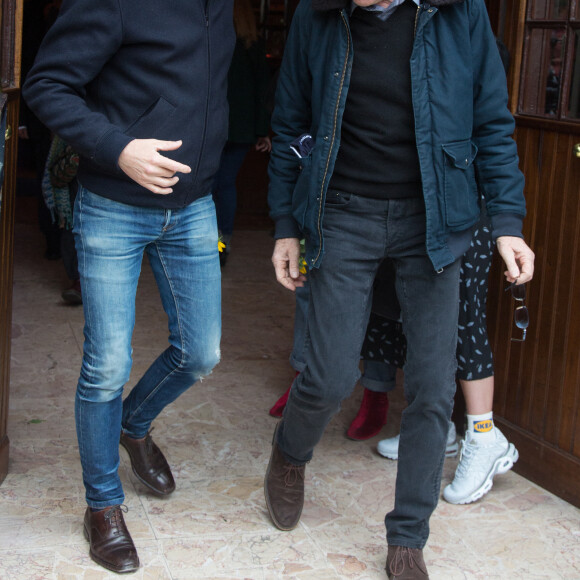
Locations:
284 489
111 543
149 464
406 564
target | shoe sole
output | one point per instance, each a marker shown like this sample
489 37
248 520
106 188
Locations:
365 438
502 465
147 485
72 297
270 510
104 563
450 451
392 456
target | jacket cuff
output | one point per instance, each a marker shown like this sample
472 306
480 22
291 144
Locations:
286 227
109 148
506 224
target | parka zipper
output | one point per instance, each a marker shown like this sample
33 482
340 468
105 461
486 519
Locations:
416 20
341 86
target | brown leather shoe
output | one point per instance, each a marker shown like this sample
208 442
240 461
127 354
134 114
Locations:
149 464
111 543
284 489
406 564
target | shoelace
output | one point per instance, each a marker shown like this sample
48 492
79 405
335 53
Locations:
113 515
397 565
292 474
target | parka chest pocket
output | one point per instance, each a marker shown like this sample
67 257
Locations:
461 197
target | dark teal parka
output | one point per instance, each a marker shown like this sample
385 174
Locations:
462 124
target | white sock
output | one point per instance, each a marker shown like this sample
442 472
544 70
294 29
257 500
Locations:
481 427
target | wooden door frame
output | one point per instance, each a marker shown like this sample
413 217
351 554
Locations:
11 42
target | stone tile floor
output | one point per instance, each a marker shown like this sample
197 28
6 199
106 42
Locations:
217 438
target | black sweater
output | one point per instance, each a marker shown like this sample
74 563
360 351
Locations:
114 70
378 152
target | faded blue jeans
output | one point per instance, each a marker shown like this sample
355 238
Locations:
111 239
358 234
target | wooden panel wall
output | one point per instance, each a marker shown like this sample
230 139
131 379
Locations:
537 398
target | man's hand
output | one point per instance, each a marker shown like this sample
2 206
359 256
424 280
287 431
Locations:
264 144
518 258
285 259
143 163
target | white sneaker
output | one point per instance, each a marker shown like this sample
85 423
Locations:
389 448
478 464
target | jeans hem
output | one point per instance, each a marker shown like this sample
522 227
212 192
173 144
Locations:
407 544
132 435
101 505
296 364
377 386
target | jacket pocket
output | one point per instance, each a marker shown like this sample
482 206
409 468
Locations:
147 125
461 197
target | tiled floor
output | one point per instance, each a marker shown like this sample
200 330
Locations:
217 438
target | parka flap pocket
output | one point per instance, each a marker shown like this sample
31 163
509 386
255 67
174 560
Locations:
460 187
460 154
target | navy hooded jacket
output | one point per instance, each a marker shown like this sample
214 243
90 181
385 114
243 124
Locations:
114 70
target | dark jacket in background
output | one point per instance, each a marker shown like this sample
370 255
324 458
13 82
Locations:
248 82
114 70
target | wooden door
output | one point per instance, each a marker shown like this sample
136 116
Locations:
10 42
537 401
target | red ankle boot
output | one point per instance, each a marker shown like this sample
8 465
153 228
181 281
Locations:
371 417
278 409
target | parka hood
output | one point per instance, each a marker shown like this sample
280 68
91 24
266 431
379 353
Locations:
323 5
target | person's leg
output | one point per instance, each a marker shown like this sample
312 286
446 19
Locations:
110 250
300 336
378 378
185 263
429 304
478 395
225 193
383 352
298 345
72 294
485 451
338 310
51 231
69 255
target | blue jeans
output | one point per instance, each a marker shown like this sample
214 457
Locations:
181 245
358 234
225 193
380 377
